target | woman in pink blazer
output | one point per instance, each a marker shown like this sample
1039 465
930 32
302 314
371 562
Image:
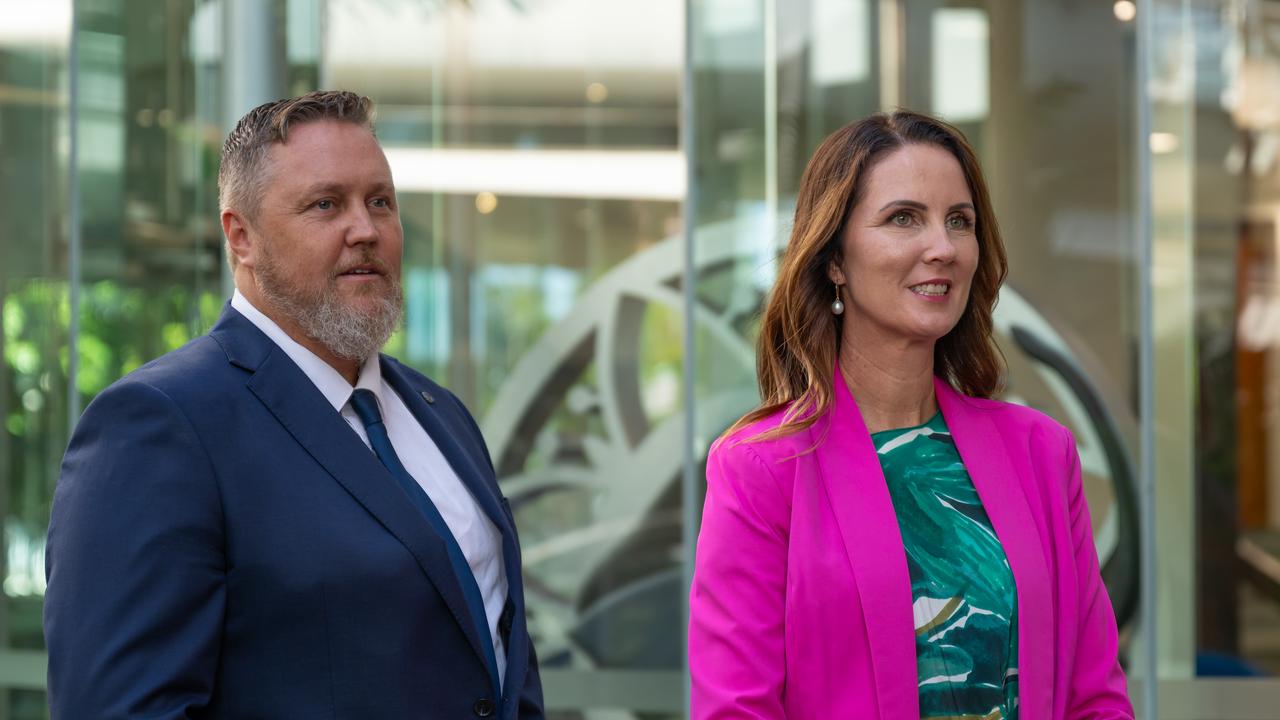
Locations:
880 538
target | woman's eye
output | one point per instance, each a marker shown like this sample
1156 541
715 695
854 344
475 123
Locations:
958 222
900 219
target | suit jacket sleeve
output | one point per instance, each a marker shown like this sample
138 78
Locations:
737 602
134 606
1097 684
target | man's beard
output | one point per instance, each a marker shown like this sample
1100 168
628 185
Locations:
347 332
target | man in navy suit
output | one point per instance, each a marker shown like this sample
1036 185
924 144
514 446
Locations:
276 521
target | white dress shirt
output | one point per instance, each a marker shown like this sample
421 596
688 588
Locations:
479 539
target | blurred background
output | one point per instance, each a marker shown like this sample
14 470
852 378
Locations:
594 195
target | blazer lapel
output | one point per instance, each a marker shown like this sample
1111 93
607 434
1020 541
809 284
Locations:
474 473
467 467
860 500
303 411
986 458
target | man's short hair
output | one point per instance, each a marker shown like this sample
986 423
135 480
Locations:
243 171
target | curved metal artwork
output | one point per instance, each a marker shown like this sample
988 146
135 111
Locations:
593 469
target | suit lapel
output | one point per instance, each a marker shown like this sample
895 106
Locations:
464 464
986 458
860 500
303 411
474 473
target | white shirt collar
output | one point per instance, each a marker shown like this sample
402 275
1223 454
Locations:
329 381
371 379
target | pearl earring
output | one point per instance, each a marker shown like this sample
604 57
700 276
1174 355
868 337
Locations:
837 307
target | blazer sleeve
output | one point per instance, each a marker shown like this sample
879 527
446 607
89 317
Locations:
1097 683
737 600
134 606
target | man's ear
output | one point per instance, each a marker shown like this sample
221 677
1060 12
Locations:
239 241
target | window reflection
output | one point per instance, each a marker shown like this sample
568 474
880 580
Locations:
535 149
536 145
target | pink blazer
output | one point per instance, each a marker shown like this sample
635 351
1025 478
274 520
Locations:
801 601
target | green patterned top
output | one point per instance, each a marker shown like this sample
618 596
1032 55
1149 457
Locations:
963 596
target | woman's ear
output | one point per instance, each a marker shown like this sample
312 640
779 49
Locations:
835 273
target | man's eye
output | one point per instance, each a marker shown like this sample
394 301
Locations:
324 204
382 203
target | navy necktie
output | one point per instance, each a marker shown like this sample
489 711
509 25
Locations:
365 403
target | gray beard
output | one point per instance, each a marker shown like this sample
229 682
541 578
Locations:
347 332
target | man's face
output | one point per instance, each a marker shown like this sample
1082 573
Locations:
328 237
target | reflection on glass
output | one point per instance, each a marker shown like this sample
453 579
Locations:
536 147
960 73
149 279
535 150
34 312
1236 216
1061 196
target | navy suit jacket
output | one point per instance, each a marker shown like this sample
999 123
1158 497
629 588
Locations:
223 545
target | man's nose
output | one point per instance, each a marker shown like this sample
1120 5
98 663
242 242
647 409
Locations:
361 227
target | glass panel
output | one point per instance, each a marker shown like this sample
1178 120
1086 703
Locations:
812 68
34 311
1231 167
1171 106
1051 125
151 275
536 145
535 150
1052 108
147 268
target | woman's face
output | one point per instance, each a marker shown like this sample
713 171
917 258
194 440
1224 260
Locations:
909 250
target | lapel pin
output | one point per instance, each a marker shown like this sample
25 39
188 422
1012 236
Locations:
428 397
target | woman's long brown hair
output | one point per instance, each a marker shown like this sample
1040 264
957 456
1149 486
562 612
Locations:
799 335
